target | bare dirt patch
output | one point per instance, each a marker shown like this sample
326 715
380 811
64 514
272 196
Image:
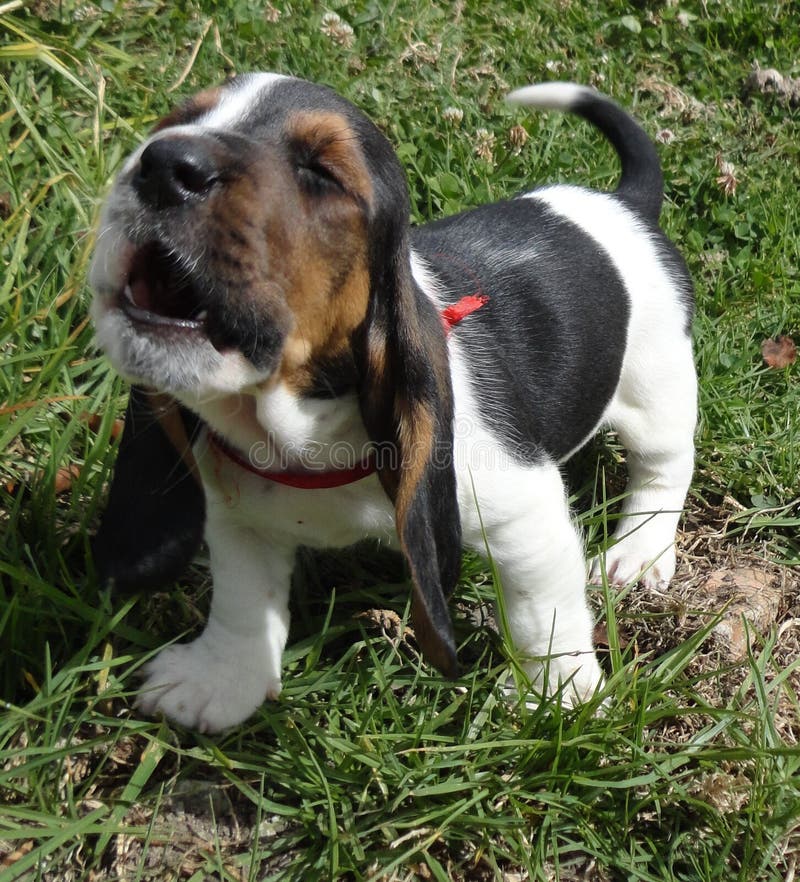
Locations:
745 600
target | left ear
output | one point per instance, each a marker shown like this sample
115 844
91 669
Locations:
407 407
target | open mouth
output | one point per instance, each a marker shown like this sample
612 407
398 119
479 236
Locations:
159 292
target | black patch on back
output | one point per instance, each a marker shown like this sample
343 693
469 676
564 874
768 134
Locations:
544 354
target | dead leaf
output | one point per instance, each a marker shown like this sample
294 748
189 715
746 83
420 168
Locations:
9 860
95 420
779 352
601 640
386 620
749 599
65 477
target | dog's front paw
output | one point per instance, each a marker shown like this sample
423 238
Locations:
634 559
202 687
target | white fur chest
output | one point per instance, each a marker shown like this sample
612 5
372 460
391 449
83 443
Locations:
289 516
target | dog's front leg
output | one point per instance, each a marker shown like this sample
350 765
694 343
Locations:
220 678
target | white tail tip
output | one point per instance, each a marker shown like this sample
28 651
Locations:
553 96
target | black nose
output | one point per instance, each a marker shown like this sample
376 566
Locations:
175 171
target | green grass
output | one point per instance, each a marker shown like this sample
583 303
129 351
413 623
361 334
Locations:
370 766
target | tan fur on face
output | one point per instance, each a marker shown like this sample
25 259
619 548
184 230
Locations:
335 146
283 248
326 313
190 110
329 293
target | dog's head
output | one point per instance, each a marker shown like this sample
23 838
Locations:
259 235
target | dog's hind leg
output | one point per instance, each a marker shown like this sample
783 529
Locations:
654 412
539 556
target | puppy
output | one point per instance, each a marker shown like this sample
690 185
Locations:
310 370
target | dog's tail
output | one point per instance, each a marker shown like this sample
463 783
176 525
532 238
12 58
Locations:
641 183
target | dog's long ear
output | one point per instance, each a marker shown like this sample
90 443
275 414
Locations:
407 406
154 519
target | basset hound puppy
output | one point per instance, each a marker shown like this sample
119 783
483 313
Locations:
309 369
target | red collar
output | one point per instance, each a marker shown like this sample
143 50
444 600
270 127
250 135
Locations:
304 480
314 480
452 315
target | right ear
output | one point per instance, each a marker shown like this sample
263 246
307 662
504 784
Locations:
407 406
155 516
